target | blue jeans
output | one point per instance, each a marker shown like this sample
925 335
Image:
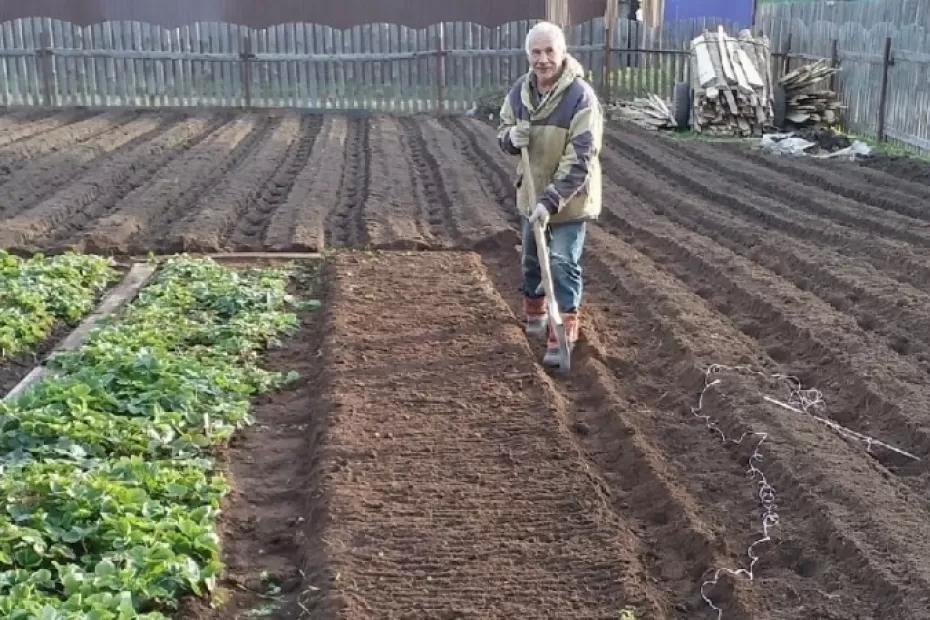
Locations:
566 243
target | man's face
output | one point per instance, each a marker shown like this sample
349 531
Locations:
545 58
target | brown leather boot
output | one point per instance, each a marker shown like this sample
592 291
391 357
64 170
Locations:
572 327
535 316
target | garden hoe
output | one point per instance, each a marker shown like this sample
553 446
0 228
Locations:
542 252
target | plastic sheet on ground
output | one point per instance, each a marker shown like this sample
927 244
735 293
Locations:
788 144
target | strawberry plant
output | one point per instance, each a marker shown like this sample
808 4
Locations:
110 493
38 292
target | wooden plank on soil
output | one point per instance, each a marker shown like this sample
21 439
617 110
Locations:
238 256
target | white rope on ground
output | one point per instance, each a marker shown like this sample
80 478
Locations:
770 517
799 401
845 432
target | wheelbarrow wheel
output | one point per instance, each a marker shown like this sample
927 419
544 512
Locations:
682 105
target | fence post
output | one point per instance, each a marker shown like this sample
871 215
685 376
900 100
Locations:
834 62
608 47
245 65
46 67
440 69
887 62
787 62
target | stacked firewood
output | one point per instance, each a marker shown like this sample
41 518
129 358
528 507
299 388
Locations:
650 112
731 84
807 107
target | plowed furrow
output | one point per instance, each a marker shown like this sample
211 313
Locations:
917 187
18 154
476 210
877 390
252 227
755 183
651 482
41 178
60 220
497 169
39 126
850 285
907 263
846 526
433 200
15 121
344 224
207 226
439 483
56 220
175 188
809 197
391 214
850 182
300 223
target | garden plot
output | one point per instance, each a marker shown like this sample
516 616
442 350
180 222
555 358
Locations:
111 485
423 446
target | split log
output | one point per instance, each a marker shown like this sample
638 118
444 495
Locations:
806 107
650 112
732 85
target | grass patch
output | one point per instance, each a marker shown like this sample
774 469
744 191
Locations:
893 149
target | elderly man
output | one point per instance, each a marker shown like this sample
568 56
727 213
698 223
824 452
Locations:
555 113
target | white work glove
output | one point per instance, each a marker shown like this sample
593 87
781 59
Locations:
540 214
520 134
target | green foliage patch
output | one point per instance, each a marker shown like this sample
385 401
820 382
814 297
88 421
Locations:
109 489
38 292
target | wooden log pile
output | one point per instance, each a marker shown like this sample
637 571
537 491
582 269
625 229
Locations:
731 83
650 112
806 107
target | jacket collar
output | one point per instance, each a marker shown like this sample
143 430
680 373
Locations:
541 108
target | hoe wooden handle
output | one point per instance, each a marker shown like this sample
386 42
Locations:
542 247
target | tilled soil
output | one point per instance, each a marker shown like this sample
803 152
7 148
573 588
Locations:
443 473
906 169
449 461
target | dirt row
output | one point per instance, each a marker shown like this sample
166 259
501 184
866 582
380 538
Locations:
19 127
873 363
213 181
448 459
26 181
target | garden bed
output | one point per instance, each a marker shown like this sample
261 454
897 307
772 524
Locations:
110 475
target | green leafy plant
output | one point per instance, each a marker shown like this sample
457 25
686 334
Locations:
38 292
109 489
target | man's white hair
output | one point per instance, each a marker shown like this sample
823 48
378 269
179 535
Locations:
547 30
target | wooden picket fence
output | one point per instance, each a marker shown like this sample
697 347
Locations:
450 66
